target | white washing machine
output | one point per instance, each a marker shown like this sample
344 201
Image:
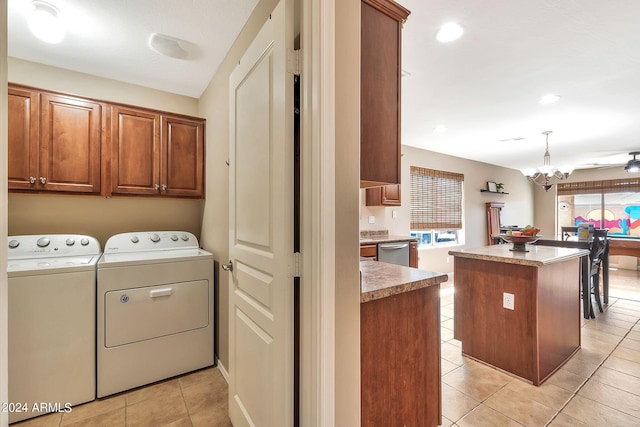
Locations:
52 323
155 309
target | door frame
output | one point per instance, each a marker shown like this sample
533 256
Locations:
317 298
4 196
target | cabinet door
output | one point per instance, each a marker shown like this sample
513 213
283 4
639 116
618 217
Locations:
182 154
70 140
23 138
413 254
380 92
135 151
386 195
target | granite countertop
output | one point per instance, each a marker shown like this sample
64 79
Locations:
381 280
385 239
537 255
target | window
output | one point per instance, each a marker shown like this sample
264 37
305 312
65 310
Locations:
436 206
613 204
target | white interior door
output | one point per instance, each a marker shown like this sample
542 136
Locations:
261 229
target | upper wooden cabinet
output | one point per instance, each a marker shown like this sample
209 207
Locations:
64 143
54 142
386 195
182 171
135 151
154 153
23 116
381 46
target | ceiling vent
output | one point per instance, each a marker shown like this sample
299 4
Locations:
171 46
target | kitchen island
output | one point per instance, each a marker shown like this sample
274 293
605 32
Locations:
400 345
518 311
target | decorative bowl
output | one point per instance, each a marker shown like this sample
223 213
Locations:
519 241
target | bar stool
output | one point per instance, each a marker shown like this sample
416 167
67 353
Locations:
598 249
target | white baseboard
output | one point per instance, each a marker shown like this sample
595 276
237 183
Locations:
223 371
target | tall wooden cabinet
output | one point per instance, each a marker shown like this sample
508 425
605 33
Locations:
381 47
54 142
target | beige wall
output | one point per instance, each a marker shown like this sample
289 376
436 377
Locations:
518 204
347 184
95 215
214 106
71 82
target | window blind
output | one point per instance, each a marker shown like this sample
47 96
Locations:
625 185
436 199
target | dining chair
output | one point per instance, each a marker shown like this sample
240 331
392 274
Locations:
598 250
568 232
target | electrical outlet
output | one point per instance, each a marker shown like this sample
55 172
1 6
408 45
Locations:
394 214
508 301
372 219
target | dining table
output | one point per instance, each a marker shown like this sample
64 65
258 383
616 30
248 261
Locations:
585 267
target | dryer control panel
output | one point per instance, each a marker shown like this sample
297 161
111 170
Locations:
52 245
144 241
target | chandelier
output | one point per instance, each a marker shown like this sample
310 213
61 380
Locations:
546 175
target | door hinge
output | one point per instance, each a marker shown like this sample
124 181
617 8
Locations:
297 269
293 61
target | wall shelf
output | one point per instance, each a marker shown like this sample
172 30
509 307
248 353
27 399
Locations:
494 192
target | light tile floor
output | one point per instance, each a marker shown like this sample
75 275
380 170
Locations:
599 386
195 399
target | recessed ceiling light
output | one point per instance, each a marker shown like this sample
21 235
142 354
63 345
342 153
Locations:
449 32
440 129
44 22
549 99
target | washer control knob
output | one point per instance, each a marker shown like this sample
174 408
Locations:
174 237
185 237
84 241
43 242
154 238
13 244
134 239
70 242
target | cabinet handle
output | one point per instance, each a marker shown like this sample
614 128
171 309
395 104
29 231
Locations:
43 180
164 187
32 179
156 187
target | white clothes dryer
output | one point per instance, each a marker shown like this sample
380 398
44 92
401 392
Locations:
52 326
155 309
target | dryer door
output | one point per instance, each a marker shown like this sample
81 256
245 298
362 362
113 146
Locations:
139 314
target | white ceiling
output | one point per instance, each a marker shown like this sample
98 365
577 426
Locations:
108 38
484 87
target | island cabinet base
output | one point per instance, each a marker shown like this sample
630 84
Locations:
535 338
400 359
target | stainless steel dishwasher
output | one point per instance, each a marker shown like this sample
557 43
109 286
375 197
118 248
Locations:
394 253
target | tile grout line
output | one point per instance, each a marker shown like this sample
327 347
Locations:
593 373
